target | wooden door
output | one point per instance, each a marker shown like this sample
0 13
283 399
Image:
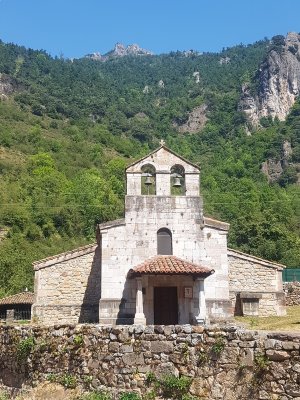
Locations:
165 306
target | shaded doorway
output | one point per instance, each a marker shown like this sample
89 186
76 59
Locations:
165 306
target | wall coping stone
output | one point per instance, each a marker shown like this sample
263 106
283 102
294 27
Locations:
214 223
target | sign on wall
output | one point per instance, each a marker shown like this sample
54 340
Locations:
188 292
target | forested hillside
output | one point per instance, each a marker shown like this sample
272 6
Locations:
68 128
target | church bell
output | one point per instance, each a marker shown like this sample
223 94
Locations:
176 182
148 180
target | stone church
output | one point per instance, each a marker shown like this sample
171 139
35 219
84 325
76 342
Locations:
164 263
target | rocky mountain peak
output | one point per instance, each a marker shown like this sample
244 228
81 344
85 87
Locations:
120 50
278 81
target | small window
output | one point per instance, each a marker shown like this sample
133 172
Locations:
148 184
250 307
164 242
177 180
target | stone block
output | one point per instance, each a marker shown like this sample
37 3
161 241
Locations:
290 346
276 355
247 358
114 347
164 369
133 359
125 348
161 347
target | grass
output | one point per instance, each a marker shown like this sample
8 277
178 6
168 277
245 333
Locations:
291 322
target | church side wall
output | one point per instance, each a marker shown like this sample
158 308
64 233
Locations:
216 285
248 276
69 291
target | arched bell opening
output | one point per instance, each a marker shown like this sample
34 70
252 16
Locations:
178 180
148 180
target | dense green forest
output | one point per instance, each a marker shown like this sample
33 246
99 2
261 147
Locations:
69 127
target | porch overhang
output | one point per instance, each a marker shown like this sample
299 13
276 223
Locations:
169 265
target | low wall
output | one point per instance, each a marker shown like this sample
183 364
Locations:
292 293
225 364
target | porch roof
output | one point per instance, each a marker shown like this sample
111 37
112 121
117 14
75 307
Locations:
19 298
169 265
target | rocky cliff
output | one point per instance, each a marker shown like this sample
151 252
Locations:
195 121
6 86
278 81
120 51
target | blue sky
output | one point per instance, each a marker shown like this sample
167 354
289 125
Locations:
77 27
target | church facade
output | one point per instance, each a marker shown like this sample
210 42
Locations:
164 263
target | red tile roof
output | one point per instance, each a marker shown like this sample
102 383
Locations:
19 298
169 265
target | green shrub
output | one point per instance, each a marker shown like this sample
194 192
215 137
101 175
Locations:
4 396
202 357
129 396
150 378
218 346
52 377
261 364
96 396
175 388
24 348
68 381
78 340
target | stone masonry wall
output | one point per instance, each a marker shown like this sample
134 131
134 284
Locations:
292 293
249 275
227 364
69 291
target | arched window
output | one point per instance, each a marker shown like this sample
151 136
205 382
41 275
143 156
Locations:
164 242
177 180
148 184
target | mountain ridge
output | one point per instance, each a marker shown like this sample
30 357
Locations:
68 128
120 50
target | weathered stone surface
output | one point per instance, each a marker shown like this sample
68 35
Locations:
164 369
276 355
119 364
133 359
292 292
290 346
194 122
125 348
279 83
293 390
161 347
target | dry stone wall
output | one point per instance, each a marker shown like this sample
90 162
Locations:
292 293
227 364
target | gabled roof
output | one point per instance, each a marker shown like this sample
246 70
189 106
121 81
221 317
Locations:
214 223
19 298
169 265
249 257
80 251
111 224
167 149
